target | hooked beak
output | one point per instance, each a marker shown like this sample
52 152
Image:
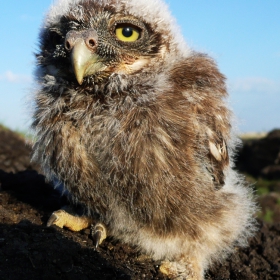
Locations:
84 61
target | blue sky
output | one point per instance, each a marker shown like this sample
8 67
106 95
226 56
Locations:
243 36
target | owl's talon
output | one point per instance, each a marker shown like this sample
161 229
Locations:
98 233
62 218
52 219
96 238
183 269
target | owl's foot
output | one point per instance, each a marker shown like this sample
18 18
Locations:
62 218
67 218
98 233
181 270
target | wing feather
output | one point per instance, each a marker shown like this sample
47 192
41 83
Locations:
218 157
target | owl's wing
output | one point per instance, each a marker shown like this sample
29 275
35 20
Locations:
204 89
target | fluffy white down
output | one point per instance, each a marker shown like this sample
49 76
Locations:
239 221
154 12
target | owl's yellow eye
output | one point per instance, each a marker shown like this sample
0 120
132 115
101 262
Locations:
127 33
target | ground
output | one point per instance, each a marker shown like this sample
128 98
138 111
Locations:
30 250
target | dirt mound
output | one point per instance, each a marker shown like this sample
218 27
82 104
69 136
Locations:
30 250
14 152
261 157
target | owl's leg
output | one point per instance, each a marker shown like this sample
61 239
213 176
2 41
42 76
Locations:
65 218
183 269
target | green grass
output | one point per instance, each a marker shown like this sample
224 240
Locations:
22 133
252 136
262 191
262 188
268 216
261 185
25 134
3 127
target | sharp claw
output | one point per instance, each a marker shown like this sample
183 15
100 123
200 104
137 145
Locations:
57 218
96 238
98 233
53 218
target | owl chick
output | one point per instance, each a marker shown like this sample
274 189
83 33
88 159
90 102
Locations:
135 126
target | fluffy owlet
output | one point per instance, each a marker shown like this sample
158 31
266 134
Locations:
134 125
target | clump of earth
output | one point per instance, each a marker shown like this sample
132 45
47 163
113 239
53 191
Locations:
31 250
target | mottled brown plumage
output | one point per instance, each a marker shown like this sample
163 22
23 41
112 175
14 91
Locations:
138 132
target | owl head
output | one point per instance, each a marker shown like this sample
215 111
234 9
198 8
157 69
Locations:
84 43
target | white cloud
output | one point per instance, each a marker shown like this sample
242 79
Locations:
11 77
26 17
254 84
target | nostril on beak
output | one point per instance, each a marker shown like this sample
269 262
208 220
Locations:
91 44
87 37
68 45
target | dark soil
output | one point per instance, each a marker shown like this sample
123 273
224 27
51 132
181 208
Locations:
14 152
30 250
261 157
